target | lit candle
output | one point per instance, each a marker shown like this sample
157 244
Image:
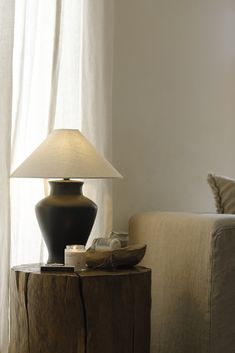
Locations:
75 255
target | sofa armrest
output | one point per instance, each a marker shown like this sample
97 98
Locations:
192 257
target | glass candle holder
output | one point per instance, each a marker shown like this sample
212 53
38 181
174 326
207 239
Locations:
75 255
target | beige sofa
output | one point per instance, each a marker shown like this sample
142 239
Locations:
192 257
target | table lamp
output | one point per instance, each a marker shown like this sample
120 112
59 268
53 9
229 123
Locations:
65 217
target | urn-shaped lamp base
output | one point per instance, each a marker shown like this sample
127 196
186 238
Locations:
65 217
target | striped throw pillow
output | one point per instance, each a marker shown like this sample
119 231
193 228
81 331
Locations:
223 189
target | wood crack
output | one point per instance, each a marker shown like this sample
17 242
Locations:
80 285
26 307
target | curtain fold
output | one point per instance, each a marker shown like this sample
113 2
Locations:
6 47
55 66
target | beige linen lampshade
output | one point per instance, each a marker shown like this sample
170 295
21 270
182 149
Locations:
66 153
66 216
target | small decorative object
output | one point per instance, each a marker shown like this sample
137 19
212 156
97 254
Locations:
75 255
100 244
113 259
66 216
123 237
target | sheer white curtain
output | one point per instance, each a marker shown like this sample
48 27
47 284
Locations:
62 79
6 44
62 68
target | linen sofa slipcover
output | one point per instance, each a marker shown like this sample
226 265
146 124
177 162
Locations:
192 257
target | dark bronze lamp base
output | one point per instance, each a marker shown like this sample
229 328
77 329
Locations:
65 217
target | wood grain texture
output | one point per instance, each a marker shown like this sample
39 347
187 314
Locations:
19 318
85 312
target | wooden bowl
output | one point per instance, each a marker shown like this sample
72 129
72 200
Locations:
120 258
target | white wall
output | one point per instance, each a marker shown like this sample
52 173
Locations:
173 103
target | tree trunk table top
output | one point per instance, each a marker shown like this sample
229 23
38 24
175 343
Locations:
92 311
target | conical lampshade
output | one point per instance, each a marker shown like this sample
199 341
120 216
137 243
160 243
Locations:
66 153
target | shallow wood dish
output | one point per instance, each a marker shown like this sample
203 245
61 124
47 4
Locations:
126 257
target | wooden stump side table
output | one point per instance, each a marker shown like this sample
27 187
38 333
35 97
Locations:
85 312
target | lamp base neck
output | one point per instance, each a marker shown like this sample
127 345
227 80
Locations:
65 187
